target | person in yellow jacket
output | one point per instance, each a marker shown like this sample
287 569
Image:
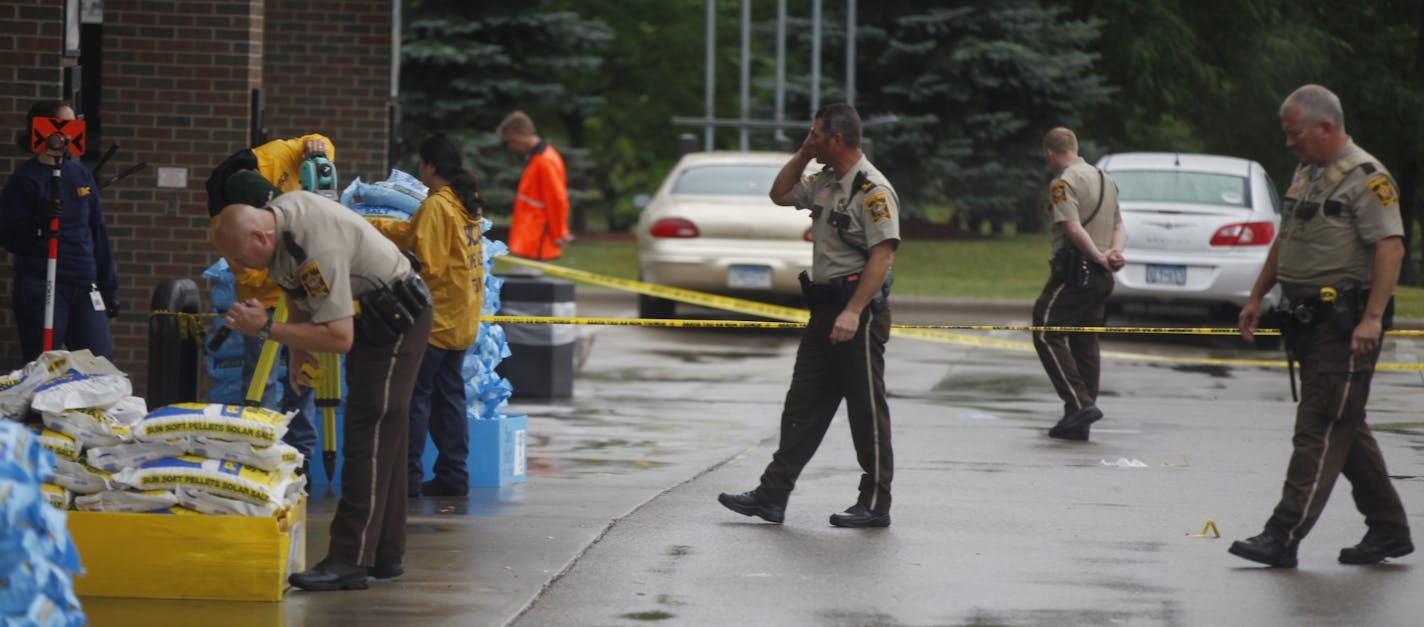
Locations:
254 176
444 235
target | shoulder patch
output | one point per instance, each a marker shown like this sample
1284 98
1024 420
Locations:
312 281
878 206
1383 190
1369 168
83 192
1059 192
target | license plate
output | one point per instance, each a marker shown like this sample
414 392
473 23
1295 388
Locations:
749 277
1166 275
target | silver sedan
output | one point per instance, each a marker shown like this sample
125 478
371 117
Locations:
1199 228
712 228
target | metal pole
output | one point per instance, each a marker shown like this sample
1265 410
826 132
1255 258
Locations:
711 71
746 71
850 52
815 57
780 114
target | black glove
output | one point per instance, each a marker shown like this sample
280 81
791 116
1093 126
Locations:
111 305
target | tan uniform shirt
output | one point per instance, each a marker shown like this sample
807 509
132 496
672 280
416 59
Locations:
1074 194
1331 219
869 210
344 256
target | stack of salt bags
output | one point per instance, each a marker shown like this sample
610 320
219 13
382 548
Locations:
212 458
84 402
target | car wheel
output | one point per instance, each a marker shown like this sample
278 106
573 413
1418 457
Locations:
654 307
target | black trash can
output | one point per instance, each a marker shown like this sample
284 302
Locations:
541 360
173 348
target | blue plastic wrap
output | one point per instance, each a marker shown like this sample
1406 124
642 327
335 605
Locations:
37 556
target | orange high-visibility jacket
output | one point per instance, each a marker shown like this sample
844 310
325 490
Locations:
541 206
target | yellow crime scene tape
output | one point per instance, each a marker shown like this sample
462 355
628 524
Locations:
796 318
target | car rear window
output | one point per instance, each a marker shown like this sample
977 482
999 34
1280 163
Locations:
726 180
1178 186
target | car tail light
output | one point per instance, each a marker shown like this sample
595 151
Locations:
674 227
1244 234
807 235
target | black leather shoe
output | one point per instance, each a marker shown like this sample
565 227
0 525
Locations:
387 570
1375 548
1267 549
330 575
751 504
860 516
1079 419
435 487
1080 434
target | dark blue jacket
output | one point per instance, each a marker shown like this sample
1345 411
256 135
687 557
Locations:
84 254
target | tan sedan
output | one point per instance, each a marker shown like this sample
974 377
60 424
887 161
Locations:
712 228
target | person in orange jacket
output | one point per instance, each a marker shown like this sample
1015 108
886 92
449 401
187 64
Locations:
279 164
444 235
540 227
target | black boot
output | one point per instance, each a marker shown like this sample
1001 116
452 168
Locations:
1266 548
330 574
860 516
752 504
1374 548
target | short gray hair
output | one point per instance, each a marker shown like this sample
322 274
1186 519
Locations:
839 117
1316 103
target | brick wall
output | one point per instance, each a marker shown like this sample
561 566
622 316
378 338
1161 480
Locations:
328 71
176 81
177 76
31 38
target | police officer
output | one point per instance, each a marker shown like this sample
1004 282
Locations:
1088 237
1337 260
86 284
324 256
855 232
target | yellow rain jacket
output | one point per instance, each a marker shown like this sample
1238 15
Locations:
446 240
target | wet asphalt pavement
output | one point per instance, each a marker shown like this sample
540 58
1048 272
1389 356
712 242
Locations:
994 523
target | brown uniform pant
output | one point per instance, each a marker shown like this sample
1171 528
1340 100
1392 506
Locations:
1331 438
1071 359
369 525
825 373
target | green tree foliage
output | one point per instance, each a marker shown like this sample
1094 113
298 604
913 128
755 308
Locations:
974 89
465 65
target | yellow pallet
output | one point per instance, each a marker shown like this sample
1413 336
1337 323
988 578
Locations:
161 556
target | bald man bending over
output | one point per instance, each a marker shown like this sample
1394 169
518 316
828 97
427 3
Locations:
324 256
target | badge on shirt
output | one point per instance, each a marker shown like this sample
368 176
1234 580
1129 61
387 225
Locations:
312 281
83 191
878 206
1059 191
1383 191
